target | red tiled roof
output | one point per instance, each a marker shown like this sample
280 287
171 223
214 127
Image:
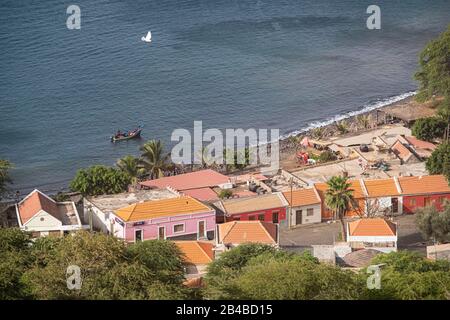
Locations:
191 180
35 202
202 194
372 227
417 143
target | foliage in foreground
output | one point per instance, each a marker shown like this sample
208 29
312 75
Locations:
5 179
429 129
109 268
153 270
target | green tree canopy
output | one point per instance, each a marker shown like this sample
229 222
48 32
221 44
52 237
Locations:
14 260
434 72
153 159
429 129
5 179
269 274
406 275
132 167
97 180
434 225
439 162
109 269
339 198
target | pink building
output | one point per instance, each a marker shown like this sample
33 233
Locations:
181 218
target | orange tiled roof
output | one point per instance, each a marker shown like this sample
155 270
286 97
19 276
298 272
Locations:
162 208
196 252
424 184
35 202
256 203
355 185
302 197
381 187
191 180
401 151
372 227
237 232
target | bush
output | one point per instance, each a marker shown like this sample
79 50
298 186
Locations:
439 162
225 194
429 129
98 180
327 156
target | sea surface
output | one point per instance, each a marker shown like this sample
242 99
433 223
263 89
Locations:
283 64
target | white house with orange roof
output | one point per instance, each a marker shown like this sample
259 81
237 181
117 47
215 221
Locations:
304 206
372 233
383 197
43 216
196 256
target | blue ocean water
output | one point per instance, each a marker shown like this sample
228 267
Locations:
236 64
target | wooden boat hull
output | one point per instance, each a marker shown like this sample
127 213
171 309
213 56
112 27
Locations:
137 134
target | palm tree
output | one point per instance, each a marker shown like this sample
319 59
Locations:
131 166
364 120
342 126
339 198
153 160
318 133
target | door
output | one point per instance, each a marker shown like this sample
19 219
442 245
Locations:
275 217
161 233
137 235
298 216
394 202
201 230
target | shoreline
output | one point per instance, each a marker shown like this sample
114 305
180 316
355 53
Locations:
286 146
351 118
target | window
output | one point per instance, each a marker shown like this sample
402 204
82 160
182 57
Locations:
251 217
201 234
412 202
427 201
261 217
138 235
310 212
275 217
178 228
42 219
236 218
441 200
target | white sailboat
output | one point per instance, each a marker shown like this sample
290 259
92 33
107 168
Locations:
148 37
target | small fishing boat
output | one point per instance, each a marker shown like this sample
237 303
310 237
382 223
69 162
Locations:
119 136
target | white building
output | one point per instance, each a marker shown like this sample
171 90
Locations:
41 215
372 233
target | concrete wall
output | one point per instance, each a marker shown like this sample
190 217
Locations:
315 218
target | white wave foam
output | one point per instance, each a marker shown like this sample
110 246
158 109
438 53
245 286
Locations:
366 108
